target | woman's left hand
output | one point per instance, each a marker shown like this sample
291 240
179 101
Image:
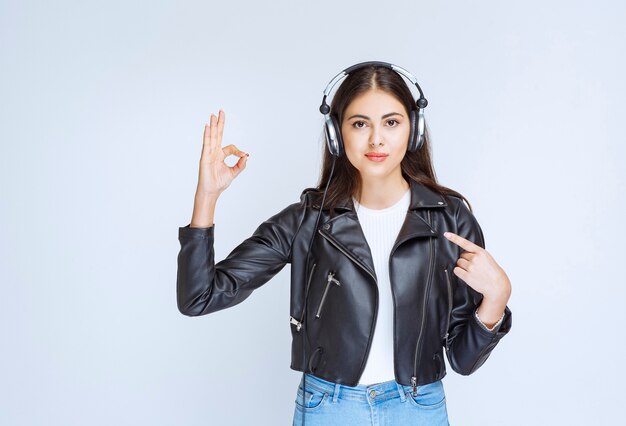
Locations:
480 271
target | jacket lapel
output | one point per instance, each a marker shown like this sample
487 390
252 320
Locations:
345 232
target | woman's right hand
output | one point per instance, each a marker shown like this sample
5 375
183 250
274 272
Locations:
215 175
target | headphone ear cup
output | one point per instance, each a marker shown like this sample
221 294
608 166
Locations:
413 142
331 136
335 130
421 125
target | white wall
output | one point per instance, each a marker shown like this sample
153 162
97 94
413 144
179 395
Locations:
101 119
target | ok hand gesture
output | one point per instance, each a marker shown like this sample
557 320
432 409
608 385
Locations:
215 175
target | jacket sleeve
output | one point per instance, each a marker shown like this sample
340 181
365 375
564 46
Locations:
203 287
469 342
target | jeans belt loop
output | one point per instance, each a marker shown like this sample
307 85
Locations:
336 392
401 392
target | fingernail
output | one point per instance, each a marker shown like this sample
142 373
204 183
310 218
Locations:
247 155
446 234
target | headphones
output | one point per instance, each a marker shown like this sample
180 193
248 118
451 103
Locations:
416 114
335 146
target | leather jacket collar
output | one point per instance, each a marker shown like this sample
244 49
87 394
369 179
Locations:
421 197
342 228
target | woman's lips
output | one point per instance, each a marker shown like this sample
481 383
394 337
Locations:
376 157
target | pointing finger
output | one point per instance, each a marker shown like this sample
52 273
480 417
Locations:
462 242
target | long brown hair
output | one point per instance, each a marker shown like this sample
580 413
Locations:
346 180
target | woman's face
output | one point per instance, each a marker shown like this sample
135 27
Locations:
376 123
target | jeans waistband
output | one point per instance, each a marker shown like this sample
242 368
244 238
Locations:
383 390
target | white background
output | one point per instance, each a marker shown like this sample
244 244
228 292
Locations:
102 111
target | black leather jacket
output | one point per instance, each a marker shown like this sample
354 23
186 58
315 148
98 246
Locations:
433 308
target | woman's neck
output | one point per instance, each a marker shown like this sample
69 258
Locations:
379 194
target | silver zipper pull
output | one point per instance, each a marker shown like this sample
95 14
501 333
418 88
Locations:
331 277
298 324
414 384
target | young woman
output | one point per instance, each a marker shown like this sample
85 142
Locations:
388 268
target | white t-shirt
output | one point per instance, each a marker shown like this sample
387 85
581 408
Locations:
381 228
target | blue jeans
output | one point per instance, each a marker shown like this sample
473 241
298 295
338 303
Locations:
382 404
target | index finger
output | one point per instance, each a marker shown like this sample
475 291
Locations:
462 242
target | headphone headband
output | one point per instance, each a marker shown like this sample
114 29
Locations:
420 103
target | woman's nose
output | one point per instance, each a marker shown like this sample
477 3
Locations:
376 139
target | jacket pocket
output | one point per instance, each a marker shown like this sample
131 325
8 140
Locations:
449 313
331 280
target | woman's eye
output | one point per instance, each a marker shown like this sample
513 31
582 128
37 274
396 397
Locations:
357 124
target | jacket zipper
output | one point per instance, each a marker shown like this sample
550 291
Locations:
355 260
424 307
331 279
369 341
292 320
449 305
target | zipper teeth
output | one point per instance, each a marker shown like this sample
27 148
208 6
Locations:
319 308
393 299
419 338
449 305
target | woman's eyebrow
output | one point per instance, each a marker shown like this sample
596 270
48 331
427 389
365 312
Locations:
367 118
